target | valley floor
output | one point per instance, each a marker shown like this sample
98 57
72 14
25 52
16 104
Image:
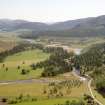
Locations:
12 83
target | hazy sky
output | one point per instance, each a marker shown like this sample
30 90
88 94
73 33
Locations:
51 10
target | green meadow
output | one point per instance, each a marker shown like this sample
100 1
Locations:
24 60
49 101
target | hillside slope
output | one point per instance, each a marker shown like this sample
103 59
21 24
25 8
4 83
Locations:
94 26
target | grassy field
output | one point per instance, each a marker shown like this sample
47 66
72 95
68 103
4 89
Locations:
8 40
33 89
49 101
15 74
6 44
36 89
12 62
26 55
36 55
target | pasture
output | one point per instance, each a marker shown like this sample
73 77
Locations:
49 101
37 90
8 40
70 87
9 68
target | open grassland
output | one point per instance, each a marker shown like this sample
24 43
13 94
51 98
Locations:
36 55
37 90
24 60
15 74
8 40
6 44
33 89
49 101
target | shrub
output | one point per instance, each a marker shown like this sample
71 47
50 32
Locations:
4 99
18 67
24 71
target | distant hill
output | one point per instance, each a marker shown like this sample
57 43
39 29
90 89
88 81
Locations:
86 23
13 25
93 26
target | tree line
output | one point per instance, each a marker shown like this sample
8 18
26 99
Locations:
19 48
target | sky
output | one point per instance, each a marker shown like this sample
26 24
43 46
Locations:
51 10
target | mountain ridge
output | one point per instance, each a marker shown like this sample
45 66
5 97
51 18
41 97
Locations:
84 26
54 26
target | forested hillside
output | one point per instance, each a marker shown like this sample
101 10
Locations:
92 62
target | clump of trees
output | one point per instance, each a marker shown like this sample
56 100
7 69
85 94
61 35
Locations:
57 62
100 85
24 71
18 67
89 100
4 99
33 66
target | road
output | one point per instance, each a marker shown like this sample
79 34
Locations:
89 80
41 80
